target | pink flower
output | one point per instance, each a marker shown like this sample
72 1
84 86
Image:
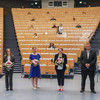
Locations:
9 62
35 61
59 60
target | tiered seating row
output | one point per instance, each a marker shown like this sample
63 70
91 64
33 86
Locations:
72 41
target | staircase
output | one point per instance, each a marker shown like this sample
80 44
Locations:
10 41
96 40
95 44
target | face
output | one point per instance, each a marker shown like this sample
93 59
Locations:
60 51
34 50
60 25
35 34
51 44
8 51
88 46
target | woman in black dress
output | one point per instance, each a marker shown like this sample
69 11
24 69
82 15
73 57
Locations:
8 63
60 61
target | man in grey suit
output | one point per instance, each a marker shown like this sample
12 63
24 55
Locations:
88 60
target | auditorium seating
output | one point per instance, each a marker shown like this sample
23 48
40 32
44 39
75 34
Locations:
1 39
30 21
98 59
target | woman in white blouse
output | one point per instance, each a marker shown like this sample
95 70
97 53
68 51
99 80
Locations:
60 29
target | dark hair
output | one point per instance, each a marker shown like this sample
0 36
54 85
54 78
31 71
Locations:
47 12
33 48
51 43
60 48
35 34
88 43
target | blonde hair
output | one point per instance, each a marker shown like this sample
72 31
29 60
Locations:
33 48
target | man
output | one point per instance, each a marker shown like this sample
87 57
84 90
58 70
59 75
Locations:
53 19
88 60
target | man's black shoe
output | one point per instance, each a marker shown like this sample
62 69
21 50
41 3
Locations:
11 89
7 89
81 91
93 91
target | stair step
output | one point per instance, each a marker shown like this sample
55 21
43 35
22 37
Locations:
77 73
10 41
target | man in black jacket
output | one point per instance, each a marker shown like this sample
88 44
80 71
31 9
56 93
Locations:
88 60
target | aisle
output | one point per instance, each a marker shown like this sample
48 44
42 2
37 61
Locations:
10 41
48 90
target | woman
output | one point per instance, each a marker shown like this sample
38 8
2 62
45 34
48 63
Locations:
60 29
8 62
35 67
52 45
60 61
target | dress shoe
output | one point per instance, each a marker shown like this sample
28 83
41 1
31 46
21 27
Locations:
61 90
11 89
34 88
81 91
7 89
37 87
93 91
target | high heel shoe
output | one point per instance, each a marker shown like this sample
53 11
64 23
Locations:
61 90
34 88
37 87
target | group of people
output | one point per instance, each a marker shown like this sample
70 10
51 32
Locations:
59 28
88 60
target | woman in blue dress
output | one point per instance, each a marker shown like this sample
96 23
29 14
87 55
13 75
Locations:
34 70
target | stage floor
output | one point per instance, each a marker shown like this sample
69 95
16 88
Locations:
48 90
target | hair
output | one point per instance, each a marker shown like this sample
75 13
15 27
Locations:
6 52
60 48
35 34
33 48
51 43
48 12
88 43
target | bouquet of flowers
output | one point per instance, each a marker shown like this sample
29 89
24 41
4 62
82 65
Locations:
8 65
35 62
59 61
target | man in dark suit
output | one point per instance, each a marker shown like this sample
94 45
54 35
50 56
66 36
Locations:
88 60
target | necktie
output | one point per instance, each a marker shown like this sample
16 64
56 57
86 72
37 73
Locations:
88 54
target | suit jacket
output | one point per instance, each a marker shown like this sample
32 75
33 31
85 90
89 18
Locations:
92 60
65 60
12 59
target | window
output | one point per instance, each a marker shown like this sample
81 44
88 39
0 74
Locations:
64 3
50 4
58 3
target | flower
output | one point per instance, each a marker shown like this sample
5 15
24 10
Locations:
8 62
35 62
59 61
8 65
